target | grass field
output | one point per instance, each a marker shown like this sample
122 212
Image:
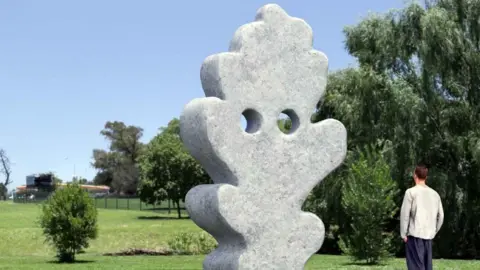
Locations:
22 245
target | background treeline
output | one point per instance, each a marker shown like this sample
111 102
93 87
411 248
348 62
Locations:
414 96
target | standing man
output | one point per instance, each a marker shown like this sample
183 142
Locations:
420 220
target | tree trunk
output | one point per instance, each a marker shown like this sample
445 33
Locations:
178 209
3 192
169 207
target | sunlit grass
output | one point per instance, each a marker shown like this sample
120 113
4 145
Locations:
22 244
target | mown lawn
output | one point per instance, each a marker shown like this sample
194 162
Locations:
22 246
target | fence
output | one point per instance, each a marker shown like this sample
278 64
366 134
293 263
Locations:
37 197
109 202
129 203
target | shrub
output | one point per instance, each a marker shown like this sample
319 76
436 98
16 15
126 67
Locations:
192 243
368 200
69 221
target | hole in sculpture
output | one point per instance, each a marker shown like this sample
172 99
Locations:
251 121
288 121
243 122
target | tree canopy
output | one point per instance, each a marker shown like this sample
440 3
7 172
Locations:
118 166
417 87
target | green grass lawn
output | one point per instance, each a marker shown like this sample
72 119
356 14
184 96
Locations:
22 245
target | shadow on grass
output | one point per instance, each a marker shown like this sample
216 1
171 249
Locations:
364 264
160 218
141 252
173 210
75 262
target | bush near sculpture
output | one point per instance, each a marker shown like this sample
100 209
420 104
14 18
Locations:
185 243
368 200
181 243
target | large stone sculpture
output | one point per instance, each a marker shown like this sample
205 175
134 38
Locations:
262 176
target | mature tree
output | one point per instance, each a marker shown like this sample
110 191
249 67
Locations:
172 128
417 85
118 167
104 162
56 179
126 177
5 172
168 171
124 139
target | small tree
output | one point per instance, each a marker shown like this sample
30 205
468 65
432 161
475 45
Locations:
69 221
368 200
5 172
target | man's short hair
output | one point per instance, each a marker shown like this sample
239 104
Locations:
421 171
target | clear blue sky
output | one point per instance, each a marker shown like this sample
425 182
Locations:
67 67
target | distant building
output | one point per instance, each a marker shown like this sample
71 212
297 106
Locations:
42 185
41 181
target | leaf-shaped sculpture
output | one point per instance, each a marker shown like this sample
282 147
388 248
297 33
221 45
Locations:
262 176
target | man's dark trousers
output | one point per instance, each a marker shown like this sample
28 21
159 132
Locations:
419 253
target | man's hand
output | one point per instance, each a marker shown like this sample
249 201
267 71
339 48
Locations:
405 239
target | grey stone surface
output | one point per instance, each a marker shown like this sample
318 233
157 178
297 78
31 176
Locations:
262 176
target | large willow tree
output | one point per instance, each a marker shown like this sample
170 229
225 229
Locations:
417 86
